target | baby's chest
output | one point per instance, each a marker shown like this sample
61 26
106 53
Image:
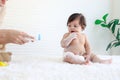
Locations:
81 39
78 41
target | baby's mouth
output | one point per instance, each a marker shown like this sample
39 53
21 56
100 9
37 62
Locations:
72 31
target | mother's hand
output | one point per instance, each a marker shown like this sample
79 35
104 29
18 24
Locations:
14 36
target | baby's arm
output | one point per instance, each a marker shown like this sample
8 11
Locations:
67 38
87 48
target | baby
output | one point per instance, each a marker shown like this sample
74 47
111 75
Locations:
75 43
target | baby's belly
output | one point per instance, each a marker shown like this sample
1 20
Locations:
78 50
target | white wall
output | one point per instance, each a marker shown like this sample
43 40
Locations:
115 15
115 9
49 17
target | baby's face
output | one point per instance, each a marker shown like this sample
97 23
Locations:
74 26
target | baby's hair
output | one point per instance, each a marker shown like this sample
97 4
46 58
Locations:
79 16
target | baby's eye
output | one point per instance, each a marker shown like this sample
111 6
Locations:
75 26
69 25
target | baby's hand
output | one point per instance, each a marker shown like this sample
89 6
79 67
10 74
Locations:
72 35
87 62
69 39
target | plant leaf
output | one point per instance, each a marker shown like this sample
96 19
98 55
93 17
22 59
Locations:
113 28
117 44
109 45
110 23
104 17
104 25
118 34
98 21
116 21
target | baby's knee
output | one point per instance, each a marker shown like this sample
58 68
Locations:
68 57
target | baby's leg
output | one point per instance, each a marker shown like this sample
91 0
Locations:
74 59
96 59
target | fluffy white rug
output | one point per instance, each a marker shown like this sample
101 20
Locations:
35 67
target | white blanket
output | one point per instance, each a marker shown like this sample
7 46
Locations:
35 67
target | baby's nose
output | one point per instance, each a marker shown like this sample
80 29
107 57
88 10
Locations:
72 26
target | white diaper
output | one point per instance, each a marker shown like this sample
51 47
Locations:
72 55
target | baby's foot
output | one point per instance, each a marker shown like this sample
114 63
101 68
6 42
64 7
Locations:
110 61
87 63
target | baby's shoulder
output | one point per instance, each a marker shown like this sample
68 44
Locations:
83 34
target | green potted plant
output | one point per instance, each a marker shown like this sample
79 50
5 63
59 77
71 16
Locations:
113 26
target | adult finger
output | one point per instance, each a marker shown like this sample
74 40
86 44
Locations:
26 35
